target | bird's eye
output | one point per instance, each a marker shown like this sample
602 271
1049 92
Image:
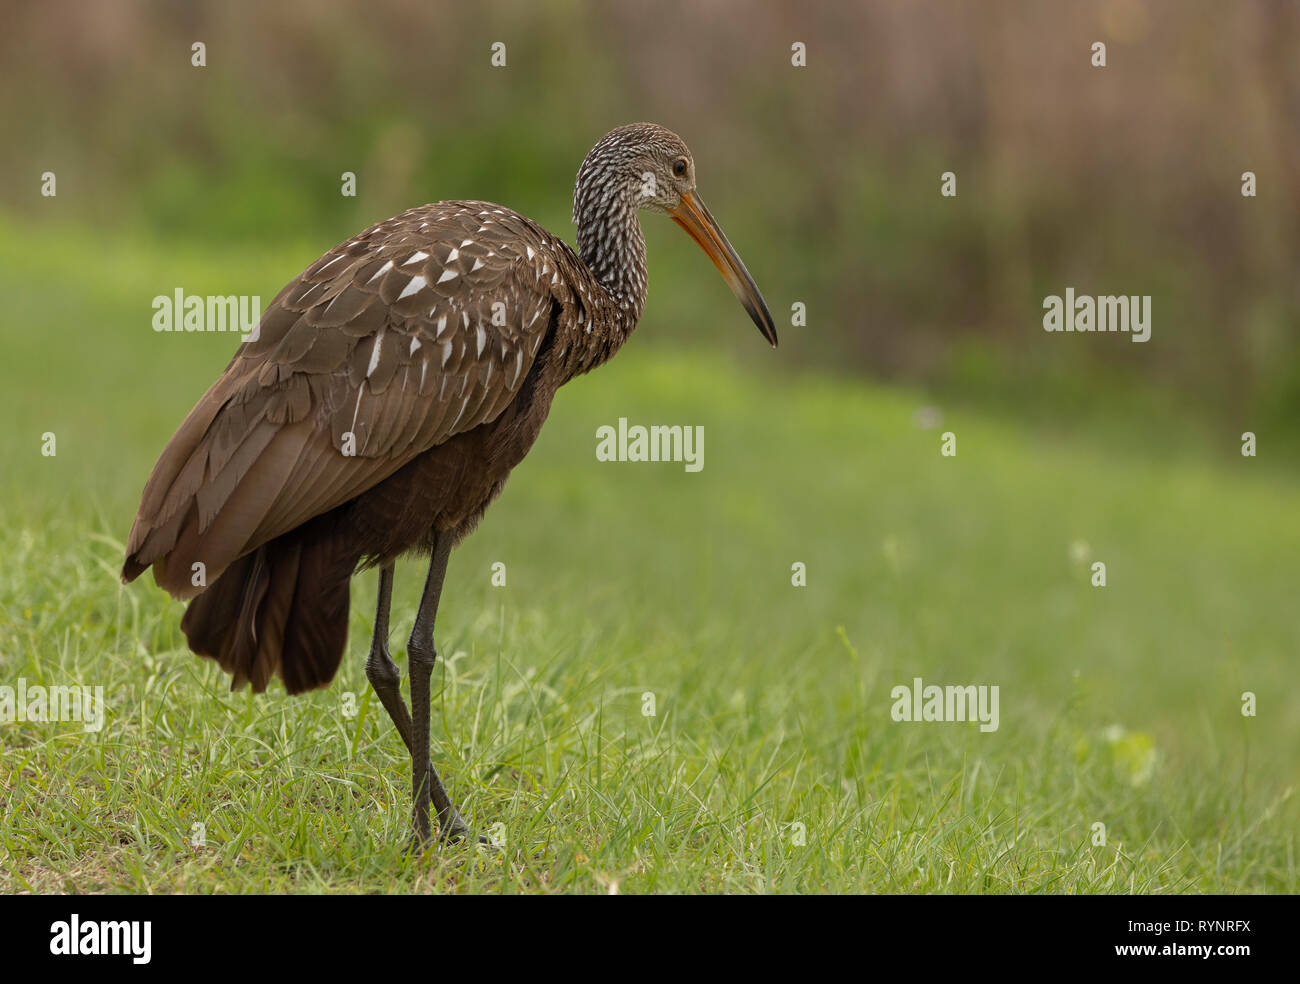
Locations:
679 166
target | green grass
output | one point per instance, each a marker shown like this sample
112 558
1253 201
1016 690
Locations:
1119 705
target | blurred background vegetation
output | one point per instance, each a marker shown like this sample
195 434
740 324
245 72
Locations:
1123 179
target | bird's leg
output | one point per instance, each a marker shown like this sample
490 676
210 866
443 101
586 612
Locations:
385 677
421 654
381 671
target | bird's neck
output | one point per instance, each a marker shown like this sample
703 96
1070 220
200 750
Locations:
612 247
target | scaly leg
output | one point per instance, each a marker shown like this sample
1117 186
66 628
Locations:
422 654
385 677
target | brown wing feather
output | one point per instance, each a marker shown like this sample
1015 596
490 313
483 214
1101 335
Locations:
420 328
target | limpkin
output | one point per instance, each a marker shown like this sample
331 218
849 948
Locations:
378 408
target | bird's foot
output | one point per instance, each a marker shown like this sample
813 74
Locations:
418 845
452 827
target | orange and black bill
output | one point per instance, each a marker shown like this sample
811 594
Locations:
698 221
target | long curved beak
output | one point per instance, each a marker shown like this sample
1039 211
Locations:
699 223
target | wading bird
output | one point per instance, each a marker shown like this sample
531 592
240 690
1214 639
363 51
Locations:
378 408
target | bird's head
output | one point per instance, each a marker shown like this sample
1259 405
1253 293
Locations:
644 165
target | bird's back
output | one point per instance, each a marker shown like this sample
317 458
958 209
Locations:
421 328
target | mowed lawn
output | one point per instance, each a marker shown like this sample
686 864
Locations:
770 761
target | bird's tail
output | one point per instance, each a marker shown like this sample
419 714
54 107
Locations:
281 610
